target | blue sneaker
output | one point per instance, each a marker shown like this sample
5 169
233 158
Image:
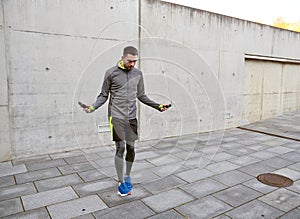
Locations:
123 190
128 182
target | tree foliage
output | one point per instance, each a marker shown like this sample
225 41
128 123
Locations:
295 26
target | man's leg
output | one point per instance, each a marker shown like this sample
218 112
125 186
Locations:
130 155
119 159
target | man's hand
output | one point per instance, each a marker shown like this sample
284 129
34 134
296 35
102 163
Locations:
164 107
89 109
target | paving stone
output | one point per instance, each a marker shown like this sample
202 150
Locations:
11 206
222 167
76 159
48 198
94 187
143 176
203 187
98 156
231 145
57 182
169 169
237 195
77 207
282 199
222 217
195 174
220 156
280 150
258 186
146 155
263 155
206 207
290 173
211 149
294 214
244 160
163 184
295 166
40 213
232 178
256 169
295 187
132 210
91 175
254 209
95 150
107 171
66 154
28 160
86 216
7 181
240 151
8 169
37 175
78 167
293 156
5 165
249 141
171 151
199 162
141 165
187 155
273 143
104 162
277 162
17 191
167 200
111 198
292 144
258 147
163 160
171 214
45 164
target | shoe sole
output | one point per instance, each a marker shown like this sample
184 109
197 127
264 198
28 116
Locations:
123 195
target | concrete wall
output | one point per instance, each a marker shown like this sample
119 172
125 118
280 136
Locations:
214 46
270 88
54 53
5 145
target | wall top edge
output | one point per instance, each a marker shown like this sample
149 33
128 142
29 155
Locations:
223 15
273 59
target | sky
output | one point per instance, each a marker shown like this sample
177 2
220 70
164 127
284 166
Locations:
263 11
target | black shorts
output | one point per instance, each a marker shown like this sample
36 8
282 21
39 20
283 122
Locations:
124 129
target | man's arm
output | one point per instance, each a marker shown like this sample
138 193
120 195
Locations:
146 100
103 96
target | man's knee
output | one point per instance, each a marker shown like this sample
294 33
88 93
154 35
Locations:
120 148
130 151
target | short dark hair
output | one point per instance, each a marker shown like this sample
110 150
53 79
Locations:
130 50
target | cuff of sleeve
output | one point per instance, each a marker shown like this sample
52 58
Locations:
91 108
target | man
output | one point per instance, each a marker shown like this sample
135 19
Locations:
124 84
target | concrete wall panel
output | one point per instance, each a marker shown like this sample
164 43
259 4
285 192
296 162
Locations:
74 17
6 152
3 70
272 87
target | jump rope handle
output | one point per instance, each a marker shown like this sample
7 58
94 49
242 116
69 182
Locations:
82 105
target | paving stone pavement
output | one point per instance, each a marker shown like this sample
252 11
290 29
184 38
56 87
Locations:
206 175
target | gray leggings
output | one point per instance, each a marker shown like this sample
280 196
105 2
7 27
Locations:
119 158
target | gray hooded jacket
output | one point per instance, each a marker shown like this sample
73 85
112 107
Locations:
124 88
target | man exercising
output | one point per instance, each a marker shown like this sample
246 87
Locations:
124 84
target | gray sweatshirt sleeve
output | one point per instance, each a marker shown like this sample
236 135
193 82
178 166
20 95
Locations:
103 96
143 97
